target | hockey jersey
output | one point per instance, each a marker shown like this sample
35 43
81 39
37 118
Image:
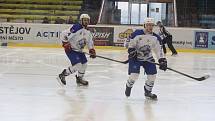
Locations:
78 37
145 44
163 32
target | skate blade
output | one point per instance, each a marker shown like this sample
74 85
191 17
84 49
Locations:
59 82
127 96
82 85
149 98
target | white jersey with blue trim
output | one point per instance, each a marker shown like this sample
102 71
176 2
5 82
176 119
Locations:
78 37
145 44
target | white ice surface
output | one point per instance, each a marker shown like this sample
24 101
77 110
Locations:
29 90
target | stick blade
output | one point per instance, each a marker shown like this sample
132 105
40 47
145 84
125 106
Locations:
203 78
125 62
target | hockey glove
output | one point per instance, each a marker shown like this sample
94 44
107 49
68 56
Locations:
67 46
132 53
163 64
92 53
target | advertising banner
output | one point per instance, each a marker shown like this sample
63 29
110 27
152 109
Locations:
30 33
201 39
204 39
182 38
48 33
103 36
121 34
211 40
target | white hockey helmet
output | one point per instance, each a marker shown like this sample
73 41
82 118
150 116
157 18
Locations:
84 16
149 21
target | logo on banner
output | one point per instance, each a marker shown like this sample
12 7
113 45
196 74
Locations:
201 40
211 40
102 35
11 32
125 34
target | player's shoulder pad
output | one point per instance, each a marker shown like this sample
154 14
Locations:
136 33
76 27
158 37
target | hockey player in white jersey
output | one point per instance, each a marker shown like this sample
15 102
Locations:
74 40
142 43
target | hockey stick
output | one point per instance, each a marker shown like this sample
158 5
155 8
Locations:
125 62
198 79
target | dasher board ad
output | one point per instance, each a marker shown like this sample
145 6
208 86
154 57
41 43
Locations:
22 32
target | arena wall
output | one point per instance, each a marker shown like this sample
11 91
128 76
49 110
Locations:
48 35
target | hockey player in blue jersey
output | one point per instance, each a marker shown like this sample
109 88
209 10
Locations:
74 40
142 43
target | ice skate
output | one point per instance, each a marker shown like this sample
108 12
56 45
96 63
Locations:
80 81
150 95
61 78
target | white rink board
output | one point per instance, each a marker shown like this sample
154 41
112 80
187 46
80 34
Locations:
182 38
50 33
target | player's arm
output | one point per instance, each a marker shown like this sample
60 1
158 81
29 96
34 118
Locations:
132 51
65 42
131 37
159 54
166 33
90 45
132 45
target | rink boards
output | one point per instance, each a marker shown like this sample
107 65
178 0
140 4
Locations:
48 35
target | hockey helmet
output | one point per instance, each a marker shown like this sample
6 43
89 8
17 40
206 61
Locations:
159 22
84 16
149 21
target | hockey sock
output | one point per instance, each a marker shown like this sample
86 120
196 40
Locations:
81 70
149 84
132 78
73 69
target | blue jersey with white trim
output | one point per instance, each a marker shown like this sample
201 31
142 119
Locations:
78 37
145 44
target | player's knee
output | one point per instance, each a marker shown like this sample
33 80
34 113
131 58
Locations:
77 66
133 76
84 65
151 77
82 68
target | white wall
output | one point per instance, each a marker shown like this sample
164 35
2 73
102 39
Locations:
152 11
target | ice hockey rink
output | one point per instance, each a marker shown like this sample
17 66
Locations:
29 90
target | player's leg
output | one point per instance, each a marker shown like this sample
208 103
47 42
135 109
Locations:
151 72
149 84
75 65
130 82
133 71
163 45
81 71
164 48
171 47
80 76
66 72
